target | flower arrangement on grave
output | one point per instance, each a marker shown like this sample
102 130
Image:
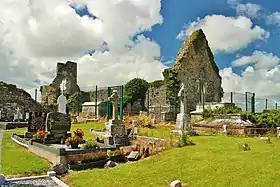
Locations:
40 134
79 132
74 141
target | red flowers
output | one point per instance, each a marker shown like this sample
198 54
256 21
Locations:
40 134
73 140
79 132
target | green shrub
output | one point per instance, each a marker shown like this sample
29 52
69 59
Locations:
118 152
185 140
91 144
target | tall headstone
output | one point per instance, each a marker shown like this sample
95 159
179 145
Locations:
62 100
182 117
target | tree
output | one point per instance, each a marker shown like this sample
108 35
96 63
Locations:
134 90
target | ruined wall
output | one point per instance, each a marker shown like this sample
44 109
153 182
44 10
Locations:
194 58
68 72
12 98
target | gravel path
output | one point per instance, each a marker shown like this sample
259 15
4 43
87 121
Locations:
45 182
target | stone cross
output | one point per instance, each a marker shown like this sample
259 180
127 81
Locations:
182 98
114 98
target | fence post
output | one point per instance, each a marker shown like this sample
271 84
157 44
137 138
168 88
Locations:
108 104
266 104
231 97
253 103
95 109
148 102
246 102
121 103
276 105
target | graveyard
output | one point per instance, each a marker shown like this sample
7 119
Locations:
140 133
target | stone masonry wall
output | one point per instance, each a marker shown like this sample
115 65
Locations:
12 98
194 58
68 72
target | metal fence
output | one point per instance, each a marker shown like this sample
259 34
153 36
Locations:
250 101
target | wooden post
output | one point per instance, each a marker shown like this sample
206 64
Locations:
266 104
231 97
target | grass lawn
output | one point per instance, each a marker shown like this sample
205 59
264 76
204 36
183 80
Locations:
214 161
16 160
86 127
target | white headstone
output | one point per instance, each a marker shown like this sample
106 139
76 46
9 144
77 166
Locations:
62 102
225 130
278 132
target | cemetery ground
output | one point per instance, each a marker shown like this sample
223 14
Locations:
214 161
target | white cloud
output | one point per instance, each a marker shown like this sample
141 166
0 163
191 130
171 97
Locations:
274 19
260 59
248 10
41 33
262 78
236 32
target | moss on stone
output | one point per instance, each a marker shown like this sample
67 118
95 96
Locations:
197 39
157 83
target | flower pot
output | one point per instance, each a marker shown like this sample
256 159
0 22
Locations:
74 145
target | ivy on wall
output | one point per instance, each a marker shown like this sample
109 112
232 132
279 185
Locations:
171 82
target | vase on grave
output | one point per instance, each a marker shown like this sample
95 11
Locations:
74 145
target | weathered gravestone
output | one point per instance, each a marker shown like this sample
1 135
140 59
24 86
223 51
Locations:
57 125
36 122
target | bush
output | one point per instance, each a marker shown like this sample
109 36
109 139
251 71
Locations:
90 145
144 121
118 152
185 140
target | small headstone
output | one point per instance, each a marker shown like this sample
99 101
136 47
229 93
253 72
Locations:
225 130
245 147
154 122
176 183
110 164
133 155
134 123
278 132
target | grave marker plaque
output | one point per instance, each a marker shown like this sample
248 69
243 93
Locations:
57 122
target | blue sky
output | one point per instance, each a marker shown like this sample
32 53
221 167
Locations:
178 13
243 35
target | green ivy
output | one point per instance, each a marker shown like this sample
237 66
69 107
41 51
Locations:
171 82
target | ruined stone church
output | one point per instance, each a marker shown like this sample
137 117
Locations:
194 66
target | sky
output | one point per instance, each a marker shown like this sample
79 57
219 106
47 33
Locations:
114 41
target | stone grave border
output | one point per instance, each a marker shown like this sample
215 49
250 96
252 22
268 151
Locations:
50 175
13 125
59 155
